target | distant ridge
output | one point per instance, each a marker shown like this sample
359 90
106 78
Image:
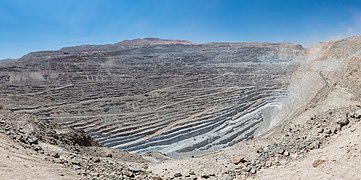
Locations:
126 43
152 41
7 59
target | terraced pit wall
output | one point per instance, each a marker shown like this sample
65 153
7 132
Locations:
176 99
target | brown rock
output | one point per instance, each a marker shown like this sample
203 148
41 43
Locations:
157 178
319 130
318 162
238 160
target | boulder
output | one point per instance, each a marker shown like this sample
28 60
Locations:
357 114
55 155
318 162
157 178
205 176
286 153
342 122
238 160
178 174
328 131
97 160
319 130
268 163
314 145
109 155
247 169
279 150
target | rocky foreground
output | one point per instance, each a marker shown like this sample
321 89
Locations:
72 149
315 134
77 153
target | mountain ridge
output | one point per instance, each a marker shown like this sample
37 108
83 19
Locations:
151 41
138 42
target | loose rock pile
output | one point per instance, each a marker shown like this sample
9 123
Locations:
71 148
298 140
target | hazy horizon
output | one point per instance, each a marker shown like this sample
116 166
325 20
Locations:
36 25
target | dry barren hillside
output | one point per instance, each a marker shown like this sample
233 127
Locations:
213 111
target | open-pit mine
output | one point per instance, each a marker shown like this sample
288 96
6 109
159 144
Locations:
171 109
149 94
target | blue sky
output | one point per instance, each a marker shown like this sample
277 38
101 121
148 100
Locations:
30 25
